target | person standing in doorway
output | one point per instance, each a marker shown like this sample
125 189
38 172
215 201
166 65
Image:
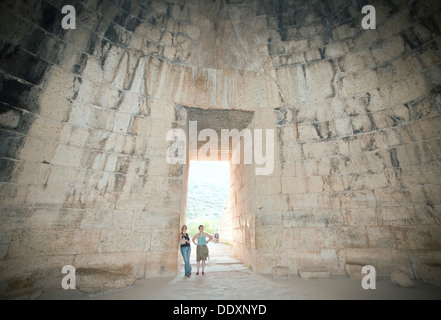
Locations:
201 249
184 241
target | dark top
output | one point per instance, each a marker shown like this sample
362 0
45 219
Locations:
186 237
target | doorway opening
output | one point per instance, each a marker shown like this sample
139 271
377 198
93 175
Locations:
207 202
205 129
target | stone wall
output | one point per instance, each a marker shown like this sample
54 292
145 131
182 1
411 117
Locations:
84 120
85 112
359 133
226 224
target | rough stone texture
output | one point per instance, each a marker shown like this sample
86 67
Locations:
226 224
243 203
84 115
354 271
385 261
429 273
281 272
90 280
314 272
400 278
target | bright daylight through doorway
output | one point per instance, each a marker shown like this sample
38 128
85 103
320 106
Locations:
208 193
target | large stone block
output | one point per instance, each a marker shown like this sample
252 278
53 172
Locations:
360 217
354 270
356 83
345 237
380 237
315 80
268 185
91 117
62 241
344 31
304 238
396 216
391 197
405 65
161 264
430 127
56 99
319 80
402 279
385 261
37 150
418 237
116 240
42 195
140 126
68 156
31 173
334 50
311 168
314 272
358 199
315 150
281 272
56 219
315 184
301 219
263 241
298 258
106 96
405 90
333 183
17 26
292 152
296 202
395 23
387 50
33 272
122 122
120 262
98 219
91 281
294 185
353 62
344 127
429 273
273 203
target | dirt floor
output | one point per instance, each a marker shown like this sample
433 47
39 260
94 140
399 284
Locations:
226 278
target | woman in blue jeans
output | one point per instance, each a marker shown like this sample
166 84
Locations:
184 241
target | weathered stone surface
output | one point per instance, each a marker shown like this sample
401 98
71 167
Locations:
314 272
429 273
90 280
384 260
354 271
400 278
281 272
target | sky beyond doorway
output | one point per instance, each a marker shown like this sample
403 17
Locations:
208 189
